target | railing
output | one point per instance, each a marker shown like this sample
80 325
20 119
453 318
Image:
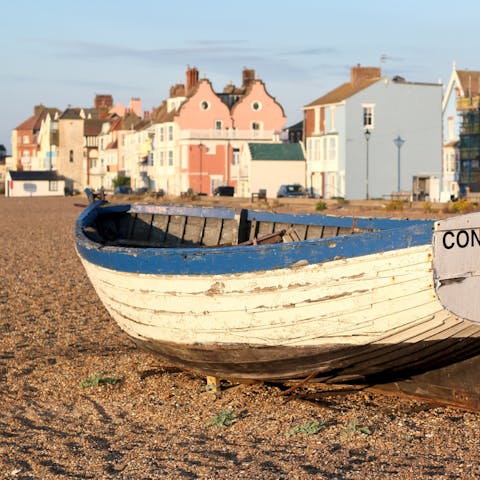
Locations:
468 102
467 128
469 153
228 134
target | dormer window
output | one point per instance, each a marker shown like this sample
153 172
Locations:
204 105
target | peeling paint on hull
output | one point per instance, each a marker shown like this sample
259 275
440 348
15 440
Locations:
352 318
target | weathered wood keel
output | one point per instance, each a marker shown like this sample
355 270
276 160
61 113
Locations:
456 385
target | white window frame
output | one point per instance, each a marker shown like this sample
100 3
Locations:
235 156
368 116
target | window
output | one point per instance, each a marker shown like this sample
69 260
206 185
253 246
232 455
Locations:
332 118
161 135
255 126
70 155
256 106
236 156
26 139
53 186
170 133
332 149
170 158
204 105
368 116
218 125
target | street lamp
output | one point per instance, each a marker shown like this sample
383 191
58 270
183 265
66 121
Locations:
367 134
200 146
399 141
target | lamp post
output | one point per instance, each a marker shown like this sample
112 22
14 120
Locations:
200 146
367 134
399 141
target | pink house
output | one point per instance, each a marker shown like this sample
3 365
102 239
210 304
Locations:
200 134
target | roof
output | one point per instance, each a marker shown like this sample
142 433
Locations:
343 92
295 126
276 151
35 121
28 124
470 82
71 114
160 114
34 175
92 127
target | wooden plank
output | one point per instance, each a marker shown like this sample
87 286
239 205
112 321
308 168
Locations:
456 385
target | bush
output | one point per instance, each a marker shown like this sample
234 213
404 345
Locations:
460 206
396 205
320 205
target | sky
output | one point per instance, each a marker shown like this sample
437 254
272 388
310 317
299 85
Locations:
62 53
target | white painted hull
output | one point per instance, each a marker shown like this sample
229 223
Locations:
323 310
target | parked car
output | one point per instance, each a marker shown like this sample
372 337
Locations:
123 190
224 191
293 190
140 191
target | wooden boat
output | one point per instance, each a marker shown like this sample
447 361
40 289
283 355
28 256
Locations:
266 296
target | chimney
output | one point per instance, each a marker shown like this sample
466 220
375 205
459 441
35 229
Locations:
136 106
192 78
38 109
359 73
248 76
103 103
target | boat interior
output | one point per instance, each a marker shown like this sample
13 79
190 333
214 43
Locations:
157 226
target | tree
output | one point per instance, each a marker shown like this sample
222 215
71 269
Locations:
121 180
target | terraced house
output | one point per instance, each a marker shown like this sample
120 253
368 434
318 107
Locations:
192 142
200 134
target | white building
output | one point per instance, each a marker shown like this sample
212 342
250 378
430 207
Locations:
370 136
33 183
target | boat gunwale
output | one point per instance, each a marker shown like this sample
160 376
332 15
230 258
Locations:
217 260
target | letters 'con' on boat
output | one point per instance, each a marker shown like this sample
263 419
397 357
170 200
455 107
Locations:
256 295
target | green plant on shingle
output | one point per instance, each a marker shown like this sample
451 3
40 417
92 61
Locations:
352 428
395 205
310 427
320 205
97 380
223 419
